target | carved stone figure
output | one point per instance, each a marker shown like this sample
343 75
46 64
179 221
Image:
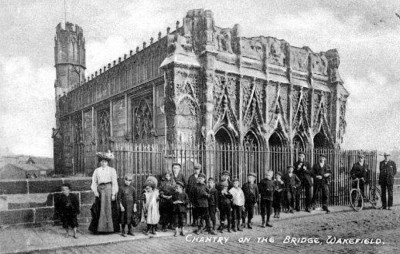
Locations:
225 40
299 59
319 64
276 53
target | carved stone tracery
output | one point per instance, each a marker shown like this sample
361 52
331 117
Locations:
143 118
103 128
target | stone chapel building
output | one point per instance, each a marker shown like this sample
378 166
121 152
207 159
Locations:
199 84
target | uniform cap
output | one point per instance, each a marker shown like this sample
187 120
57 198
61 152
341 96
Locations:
252 174
180 183
226 172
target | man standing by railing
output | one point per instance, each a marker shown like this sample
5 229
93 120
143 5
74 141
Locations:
387 171
322 173
303 171
360 171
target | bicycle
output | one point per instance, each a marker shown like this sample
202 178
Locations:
357 199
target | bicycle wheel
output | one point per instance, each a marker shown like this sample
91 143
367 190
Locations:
356 200
375 197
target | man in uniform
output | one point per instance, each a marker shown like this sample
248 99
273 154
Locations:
321 173
387 171
302 170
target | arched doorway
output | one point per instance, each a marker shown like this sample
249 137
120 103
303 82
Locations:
321 140
226 158
253 155
251 140
279 154
223 137
299 142
276 140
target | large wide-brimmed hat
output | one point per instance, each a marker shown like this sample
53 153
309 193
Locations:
361 156
108 156
386 154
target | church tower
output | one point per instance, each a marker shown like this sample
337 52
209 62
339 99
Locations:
70 64
70 58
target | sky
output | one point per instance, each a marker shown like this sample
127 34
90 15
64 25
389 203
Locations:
366 34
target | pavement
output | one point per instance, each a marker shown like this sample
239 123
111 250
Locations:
17 239
51 238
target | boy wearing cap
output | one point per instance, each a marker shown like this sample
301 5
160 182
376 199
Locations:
225 178
191 186
201 195
250 190
67 206
167 188
180 200
322 174
127 204
292 183
212 201
237 204
266 188
278 194
225 206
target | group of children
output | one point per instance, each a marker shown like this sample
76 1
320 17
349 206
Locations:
168 203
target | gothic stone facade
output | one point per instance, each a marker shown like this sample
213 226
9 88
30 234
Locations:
200 84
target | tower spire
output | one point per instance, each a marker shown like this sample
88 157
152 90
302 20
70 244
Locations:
65 13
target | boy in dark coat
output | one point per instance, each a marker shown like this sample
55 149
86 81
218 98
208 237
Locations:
212 201
127 204
167 188
292 183
68 208
250 190
190 189
225 206
266 188
201 195
180 200
278 194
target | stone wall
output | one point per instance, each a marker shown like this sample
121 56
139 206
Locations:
32 201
